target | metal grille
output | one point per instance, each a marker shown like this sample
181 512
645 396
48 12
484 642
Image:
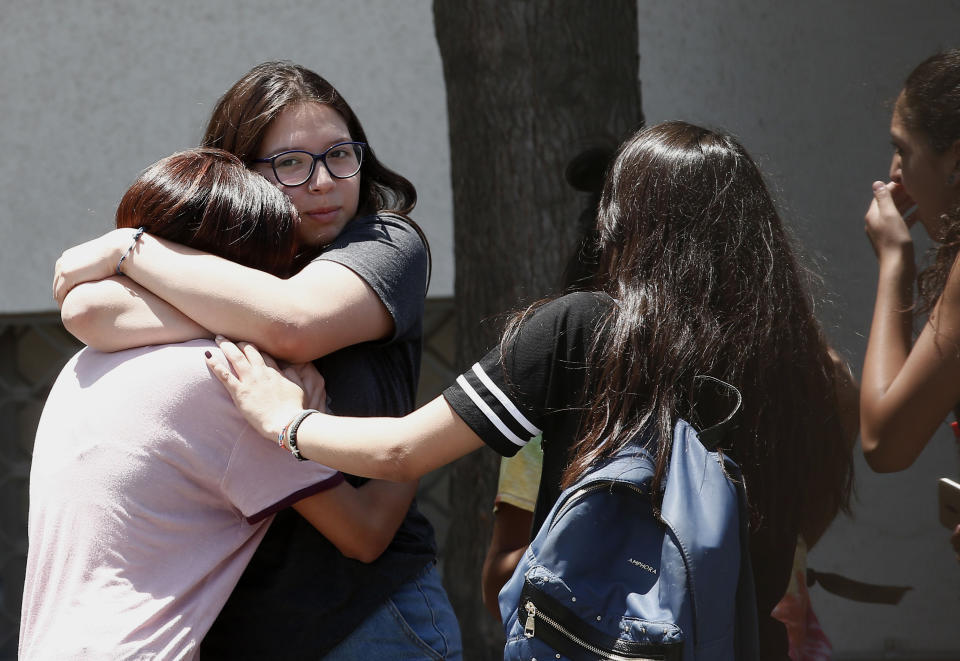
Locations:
35 348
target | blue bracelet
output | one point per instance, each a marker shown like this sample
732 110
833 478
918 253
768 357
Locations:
136 237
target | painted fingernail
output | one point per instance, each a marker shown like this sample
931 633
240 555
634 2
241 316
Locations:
208 354
219 338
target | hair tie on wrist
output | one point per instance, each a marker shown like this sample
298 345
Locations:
291 432
136 237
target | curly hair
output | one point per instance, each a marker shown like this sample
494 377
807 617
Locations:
930 106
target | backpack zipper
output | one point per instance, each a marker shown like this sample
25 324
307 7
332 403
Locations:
530 626
590 488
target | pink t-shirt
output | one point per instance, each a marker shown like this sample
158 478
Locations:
148 495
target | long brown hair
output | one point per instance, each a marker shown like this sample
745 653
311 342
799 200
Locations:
207 199
930 106
705 282
242 115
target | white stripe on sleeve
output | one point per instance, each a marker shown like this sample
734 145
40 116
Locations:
487 411
507 404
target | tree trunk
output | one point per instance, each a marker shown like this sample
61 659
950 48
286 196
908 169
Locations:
530 84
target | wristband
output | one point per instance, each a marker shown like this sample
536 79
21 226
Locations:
292 432
136 237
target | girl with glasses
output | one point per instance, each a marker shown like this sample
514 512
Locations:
146 501
696 277
355 306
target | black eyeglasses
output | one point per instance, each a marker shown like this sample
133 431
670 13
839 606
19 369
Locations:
293 168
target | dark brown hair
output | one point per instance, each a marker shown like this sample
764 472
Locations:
930 106
242 115
705 282
207 199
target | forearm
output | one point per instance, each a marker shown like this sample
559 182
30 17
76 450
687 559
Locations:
397 449
116 313
360 522
216 293
381 508
887 350
511 535
323 308
498 567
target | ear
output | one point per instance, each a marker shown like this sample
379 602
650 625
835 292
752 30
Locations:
954 152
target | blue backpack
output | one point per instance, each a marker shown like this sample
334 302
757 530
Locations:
604 578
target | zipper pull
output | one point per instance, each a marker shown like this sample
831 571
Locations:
531 612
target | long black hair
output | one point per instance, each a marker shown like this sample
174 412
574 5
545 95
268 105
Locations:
705 282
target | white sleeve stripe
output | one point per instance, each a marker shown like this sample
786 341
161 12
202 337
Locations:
487 411
503 399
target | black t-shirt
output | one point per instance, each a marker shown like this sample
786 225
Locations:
300 596
536 384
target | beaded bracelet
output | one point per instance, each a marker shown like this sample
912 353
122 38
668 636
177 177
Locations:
136 237
292 432
282 436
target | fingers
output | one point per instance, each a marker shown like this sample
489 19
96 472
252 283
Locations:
310 375
56 280
313 385
60 288
236 358
293 375
268 360
253 355
885 227
884 198
904 203
221 371
892 201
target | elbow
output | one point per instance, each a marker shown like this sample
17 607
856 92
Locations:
884 457
290 340
79 316
368 547
75 316
396 464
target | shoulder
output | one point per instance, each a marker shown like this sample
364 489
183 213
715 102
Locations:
577 312
387 252
175 374
384 229
579 305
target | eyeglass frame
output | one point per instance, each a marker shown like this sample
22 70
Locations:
322 157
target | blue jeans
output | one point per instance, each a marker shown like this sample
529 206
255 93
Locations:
416 622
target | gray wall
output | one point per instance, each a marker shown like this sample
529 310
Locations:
94 91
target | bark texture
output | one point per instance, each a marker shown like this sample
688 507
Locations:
530 84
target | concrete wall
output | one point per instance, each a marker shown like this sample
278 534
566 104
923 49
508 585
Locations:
93 91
